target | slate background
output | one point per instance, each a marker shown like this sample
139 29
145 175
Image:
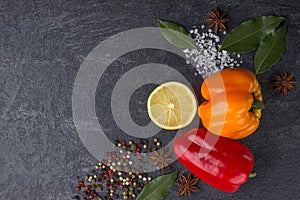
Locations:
44 42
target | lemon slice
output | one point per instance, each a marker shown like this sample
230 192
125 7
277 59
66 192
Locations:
172 106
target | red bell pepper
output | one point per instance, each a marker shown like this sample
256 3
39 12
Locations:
223 163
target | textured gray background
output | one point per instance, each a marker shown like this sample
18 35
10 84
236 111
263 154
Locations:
43 43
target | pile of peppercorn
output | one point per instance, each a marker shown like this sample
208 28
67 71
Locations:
121 175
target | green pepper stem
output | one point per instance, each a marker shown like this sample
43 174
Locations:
258 104
252 174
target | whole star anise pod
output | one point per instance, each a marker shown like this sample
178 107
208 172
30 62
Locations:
284 83
217 20
161 159
187 185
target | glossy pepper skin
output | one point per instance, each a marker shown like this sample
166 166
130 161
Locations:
223 163
230 94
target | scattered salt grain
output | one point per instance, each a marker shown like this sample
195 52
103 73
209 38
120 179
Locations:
207 59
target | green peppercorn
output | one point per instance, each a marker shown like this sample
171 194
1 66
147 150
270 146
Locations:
99 187
133 147
153 149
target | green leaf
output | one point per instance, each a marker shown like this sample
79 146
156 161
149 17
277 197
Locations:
176 34
270 51
158 188
247 36
257 104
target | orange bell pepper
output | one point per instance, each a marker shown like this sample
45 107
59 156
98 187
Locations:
228 111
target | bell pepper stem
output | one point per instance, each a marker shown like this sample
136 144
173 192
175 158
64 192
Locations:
258 104
252 174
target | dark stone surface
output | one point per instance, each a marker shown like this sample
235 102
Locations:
44 42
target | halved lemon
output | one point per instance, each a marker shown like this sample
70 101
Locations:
172 106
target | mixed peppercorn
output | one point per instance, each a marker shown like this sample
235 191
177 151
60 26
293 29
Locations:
121 175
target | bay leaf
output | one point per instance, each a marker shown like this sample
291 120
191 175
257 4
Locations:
158 188
270 50
247 36
176 34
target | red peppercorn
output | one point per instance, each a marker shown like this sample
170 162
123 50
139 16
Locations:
138 151
91 196
109 171
105 175
86 187
80 183
78 188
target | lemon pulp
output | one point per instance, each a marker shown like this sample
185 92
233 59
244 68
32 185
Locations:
172 106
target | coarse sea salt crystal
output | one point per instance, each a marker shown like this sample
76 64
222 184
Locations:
207 59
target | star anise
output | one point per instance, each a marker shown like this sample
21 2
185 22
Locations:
161 159
187 185
284 83
217 20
